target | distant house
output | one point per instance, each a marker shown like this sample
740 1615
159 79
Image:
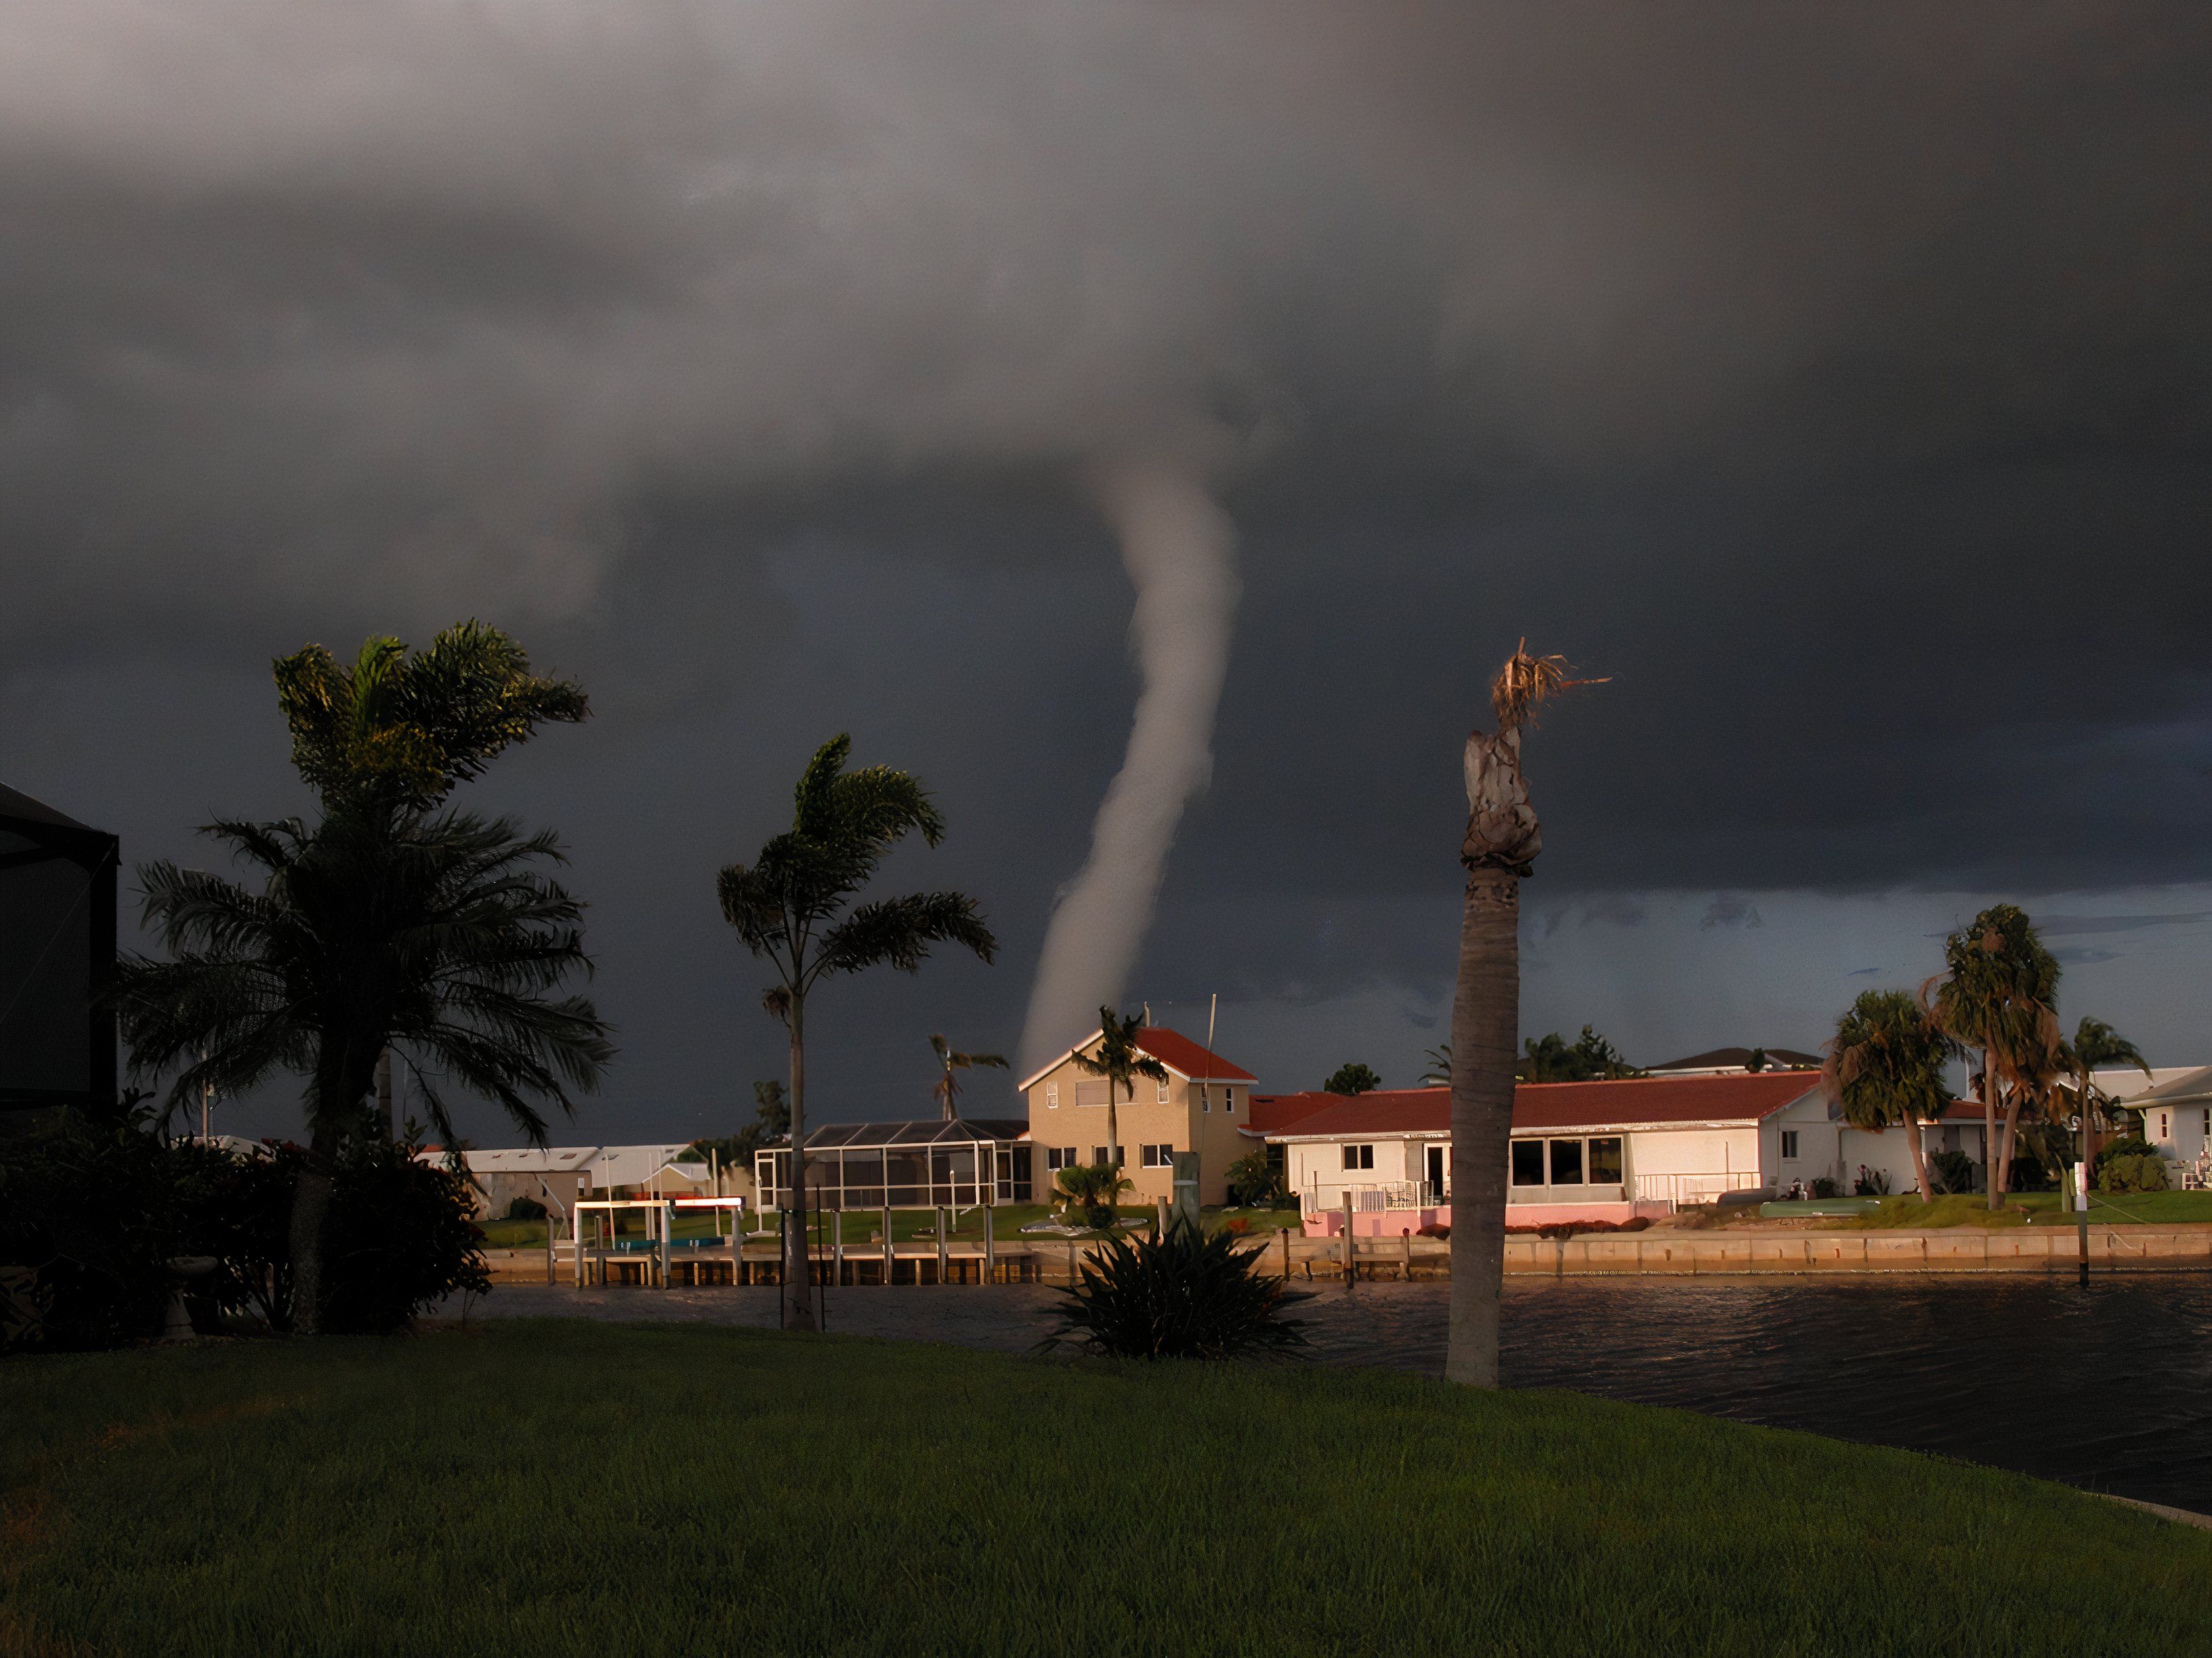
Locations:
1719 1060
556 1175
1581 1151
1201 1107
2176 1109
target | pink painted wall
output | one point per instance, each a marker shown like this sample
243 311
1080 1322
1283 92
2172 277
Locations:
1389 1222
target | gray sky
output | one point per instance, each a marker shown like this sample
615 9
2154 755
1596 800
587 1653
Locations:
1835 380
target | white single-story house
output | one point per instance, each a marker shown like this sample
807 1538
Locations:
1584 1151
2177 1112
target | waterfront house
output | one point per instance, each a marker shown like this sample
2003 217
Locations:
1201 1107
1609 1150
556 1175
2176 1108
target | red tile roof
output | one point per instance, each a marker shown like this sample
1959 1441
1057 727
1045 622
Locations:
1744 1096
1174 1049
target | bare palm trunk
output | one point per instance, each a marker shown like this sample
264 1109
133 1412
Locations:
1486 1023
2008 1129
1919 1154
311 1209
798 1289
1113 1135
1989 1124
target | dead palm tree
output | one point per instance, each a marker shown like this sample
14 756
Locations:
1886 1066
1503 839
2000 993
1120 1061
948 1087
791 908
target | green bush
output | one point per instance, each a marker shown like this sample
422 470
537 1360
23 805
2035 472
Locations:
2133 1172
1256 1183
2128 1146
93 1207
1952 1172
525 1209
1190 1295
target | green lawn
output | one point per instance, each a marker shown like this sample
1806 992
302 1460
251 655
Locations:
551 1489
2037 1209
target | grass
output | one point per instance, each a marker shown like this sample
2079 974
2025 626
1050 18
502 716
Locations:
556 1487
2037 1209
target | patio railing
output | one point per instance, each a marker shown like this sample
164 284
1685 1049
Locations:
1374 1198
1679 1189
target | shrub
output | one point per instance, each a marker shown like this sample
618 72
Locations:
1238 1226
2128 1146
1871 1183
1434 1229
2133 1172
1951 1171
1256 1183
1189 1295
87 1223
1824 1185
526 1209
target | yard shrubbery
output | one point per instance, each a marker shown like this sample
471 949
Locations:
95 1208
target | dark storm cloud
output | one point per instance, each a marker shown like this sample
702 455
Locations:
1835 380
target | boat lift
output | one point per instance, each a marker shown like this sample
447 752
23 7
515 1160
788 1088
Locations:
653 1253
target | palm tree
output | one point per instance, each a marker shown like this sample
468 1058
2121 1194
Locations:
2000 994
1886 1066
1092 1188
396 732
1120 1061
1439 1071
1502 841
2096 1046
434 935
948 1087
401 730
791 909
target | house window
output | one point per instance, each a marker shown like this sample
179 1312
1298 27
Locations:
1358 1157
1566 1162
2161 1127
1157 1157
1231 1096
1528 1162
1605 1162
2208 1128
1052 1096
1160 1092
1789 1145
1061 1156
1098 1155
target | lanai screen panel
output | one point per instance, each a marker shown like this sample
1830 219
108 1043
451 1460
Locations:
904 1165
57 943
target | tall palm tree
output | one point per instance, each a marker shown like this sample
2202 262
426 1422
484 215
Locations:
433 935
1886 1066
948 1087
2000 993
397 731
791 908
1502 841
1120 1061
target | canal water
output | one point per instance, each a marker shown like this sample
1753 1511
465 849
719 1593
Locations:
2109 1388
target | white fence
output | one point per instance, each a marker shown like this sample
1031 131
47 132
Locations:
1376 1197
1679 1189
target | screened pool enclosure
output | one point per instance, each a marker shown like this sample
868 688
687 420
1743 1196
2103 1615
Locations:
904 1165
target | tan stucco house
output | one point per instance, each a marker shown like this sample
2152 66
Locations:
1200 1107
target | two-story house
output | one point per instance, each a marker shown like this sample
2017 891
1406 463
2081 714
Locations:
1200 1107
